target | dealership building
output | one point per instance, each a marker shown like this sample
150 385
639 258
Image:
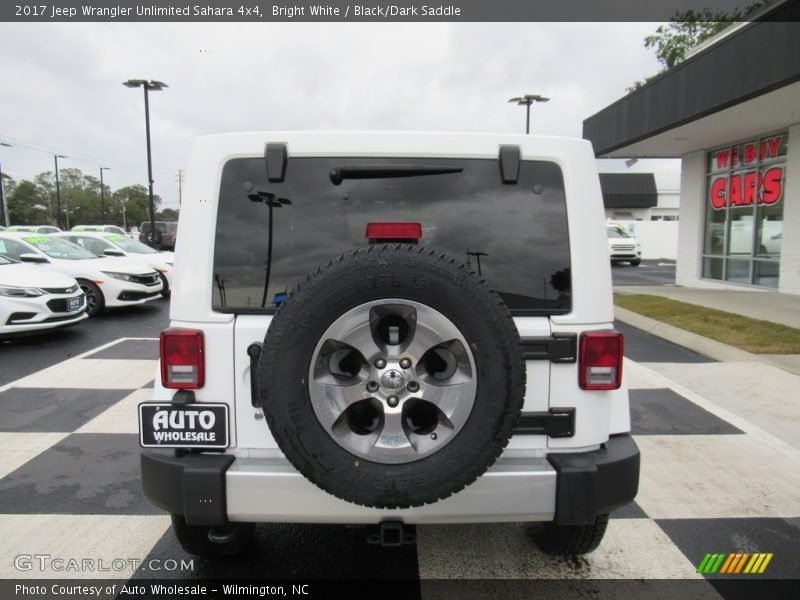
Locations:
731 112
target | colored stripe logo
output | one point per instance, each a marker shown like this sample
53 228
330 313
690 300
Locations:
734 563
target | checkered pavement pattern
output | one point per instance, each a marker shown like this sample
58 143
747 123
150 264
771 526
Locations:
711 481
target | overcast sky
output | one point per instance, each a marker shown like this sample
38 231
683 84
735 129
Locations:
62 90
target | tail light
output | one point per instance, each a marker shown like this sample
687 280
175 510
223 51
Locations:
600 362
394 231
182 360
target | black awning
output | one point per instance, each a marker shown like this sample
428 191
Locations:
629 190
761 57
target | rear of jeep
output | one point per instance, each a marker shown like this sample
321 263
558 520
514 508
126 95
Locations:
390 329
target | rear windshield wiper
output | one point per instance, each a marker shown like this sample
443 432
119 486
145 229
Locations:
339 174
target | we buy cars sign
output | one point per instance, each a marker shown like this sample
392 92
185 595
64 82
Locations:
748 173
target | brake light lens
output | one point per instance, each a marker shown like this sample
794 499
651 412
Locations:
182 359
394 231
600 362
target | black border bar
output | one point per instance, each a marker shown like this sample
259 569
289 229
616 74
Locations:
358 10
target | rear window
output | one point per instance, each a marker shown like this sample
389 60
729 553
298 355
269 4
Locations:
515 235
162 226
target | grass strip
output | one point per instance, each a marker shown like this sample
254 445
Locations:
752 335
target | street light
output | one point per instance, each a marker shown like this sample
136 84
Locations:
526 101
477 254
58 192
156 86
103 196
3 212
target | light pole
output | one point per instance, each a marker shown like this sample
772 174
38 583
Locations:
156 86
477 255
3 211
526 101
103 196
58 193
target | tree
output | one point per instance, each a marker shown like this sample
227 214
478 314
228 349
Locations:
27 204
168 214
685 31
136 201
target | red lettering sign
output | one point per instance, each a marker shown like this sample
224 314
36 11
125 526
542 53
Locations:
746 189
718 193
723 156
749 153
750 190
772 185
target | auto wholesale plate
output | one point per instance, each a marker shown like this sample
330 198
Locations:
188 426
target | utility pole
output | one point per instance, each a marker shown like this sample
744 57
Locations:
3 210
103 196
180 182
59 220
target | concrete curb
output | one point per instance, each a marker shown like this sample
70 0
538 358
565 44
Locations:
692 341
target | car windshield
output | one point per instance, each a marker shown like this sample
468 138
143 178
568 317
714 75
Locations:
613 232
58 248
5 261
129 245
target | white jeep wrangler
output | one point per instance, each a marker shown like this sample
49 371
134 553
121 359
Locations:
390 329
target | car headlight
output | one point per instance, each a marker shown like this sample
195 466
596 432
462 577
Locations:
11 291
120 276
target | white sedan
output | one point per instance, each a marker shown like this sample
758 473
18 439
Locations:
112 244
107 282
34 299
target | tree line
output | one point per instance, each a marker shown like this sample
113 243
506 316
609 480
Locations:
33 202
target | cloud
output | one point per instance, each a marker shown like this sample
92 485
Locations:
62 84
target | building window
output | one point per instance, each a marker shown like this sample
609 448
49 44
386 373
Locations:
744 211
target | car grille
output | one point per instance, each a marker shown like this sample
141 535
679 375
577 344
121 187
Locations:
623 246
146 279
68 290
59 305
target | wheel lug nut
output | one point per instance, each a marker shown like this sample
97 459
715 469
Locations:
413 386
405 363
380 363
393 401
372 386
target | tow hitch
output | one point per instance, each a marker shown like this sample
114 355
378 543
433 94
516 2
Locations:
391 534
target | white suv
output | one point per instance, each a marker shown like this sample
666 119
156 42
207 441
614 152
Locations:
390 329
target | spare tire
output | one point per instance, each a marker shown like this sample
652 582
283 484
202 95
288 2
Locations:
153 237
392 376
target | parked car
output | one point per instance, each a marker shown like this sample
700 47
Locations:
34 300
623 247
99 229
389 387
33 229
107 282
113 244
162 238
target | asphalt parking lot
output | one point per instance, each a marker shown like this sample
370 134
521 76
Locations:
70 486
649 272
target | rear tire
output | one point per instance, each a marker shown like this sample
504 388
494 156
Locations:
194 538
569 540
95 302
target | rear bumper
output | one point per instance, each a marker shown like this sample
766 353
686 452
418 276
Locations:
213 489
